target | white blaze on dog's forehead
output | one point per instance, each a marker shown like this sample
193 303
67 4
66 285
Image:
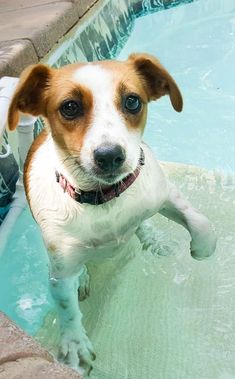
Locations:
96 78
101 84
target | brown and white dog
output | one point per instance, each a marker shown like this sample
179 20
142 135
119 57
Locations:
89 178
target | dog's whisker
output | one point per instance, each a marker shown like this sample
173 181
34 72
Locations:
67 161
100 188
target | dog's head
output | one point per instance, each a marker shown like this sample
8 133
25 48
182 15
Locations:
96 112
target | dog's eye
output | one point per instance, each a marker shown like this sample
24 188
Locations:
71 109
132 104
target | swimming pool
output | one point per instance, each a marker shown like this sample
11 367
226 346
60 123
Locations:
164 316
196 43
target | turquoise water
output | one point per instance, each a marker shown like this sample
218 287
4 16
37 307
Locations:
196 43
162 316
24 292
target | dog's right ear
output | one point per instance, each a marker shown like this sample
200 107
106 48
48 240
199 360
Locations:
30 94
158 82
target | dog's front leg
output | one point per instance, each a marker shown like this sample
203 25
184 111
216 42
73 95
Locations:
178 209
75 348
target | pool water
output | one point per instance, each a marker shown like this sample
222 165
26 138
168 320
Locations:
164 315
24 292
196 43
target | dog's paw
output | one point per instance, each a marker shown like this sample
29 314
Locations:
204 245
153 240
84 285
156 246
75 350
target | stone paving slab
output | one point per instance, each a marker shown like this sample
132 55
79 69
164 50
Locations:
14 343
42 25
21 357
83 5
15 55
30 28
36 368
12 5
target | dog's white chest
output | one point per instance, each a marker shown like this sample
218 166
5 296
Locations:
83 232
114 222
112 225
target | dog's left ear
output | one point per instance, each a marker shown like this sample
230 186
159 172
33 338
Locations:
157 81
30 94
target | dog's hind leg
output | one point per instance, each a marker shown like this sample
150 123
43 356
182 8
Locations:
178 209
84 284
75 349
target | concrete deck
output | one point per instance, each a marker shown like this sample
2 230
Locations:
30 28
23 358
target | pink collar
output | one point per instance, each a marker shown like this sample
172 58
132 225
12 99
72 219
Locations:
100 197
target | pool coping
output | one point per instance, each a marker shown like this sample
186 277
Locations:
25 41
22 357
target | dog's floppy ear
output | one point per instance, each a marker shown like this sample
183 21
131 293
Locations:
157 81
30 94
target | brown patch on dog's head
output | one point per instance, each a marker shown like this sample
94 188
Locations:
68 134
156 79
41 91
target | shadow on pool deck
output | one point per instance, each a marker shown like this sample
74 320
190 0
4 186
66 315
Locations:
30 28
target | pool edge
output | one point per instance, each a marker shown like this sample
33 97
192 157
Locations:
24 47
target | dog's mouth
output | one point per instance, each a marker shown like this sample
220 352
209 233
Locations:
116 176
110 178
94 175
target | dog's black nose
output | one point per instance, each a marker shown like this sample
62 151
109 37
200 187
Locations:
109 157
